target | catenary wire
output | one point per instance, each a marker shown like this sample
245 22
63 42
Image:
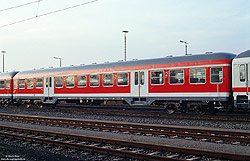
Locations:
20 5
48 13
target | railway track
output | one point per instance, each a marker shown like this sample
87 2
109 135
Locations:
218 136
140 112
134 150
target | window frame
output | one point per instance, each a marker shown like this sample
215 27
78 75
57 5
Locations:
62 81
16 83
219 77
196 77
19 83
2 80
136 78
163 77
175 76
67 86
6 83
82 86
127 78
36 82
108 84
91 78
241 72
32 80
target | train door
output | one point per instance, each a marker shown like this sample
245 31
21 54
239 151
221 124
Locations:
139 84
48 87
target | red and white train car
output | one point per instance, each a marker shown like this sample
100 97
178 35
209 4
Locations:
187 81
6 87
240 81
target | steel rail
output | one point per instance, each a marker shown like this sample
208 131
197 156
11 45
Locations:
33 135
97 109
230 136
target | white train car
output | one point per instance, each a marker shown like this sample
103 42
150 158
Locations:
240 80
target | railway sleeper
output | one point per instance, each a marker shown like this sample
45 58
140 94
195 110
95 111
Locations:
141 150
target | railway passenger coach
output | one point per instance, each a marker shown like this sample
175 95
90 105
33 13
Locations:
201 82
241 76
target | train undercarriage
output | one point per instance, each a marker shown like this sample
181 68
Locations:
169 106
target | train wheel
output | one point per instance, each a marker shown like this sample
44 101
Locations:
183 109
41 106
170 108
200 110
170 111
6 105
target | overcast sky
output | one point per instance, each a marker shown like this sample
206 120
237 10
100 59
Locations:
93 32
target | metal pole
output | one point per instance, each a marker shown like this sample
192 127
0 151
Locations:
60 60
125 52
125 45
185 46
186 49
3 52
3 62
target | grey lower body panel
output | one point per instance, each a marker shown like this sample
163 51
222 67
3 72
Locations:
130 100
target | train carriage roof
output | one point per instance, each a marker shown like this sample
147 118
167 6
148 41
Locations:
7 75
164 60
244 54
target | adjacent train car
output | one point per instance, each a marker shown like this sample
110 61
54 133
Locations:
6 87
194 81
240 81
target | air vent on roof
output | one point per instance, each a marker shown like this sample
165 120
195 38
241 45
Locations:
50 67
82 64
34 69
106 62
208 52
94 63
120 60
134 59
41 68
71 65
189 54
169 56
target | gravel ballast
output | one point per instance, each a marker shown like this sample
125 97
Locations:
204 124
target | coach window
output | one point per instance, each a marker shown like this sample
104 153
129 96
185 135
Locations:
136 78
142 78
59 82
157 77
30 83
197 75
21 83
243 73
81 81
108 80
1 84
216 75
122 79
70 81
39 83
176 76
15 84
7 82
94 80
